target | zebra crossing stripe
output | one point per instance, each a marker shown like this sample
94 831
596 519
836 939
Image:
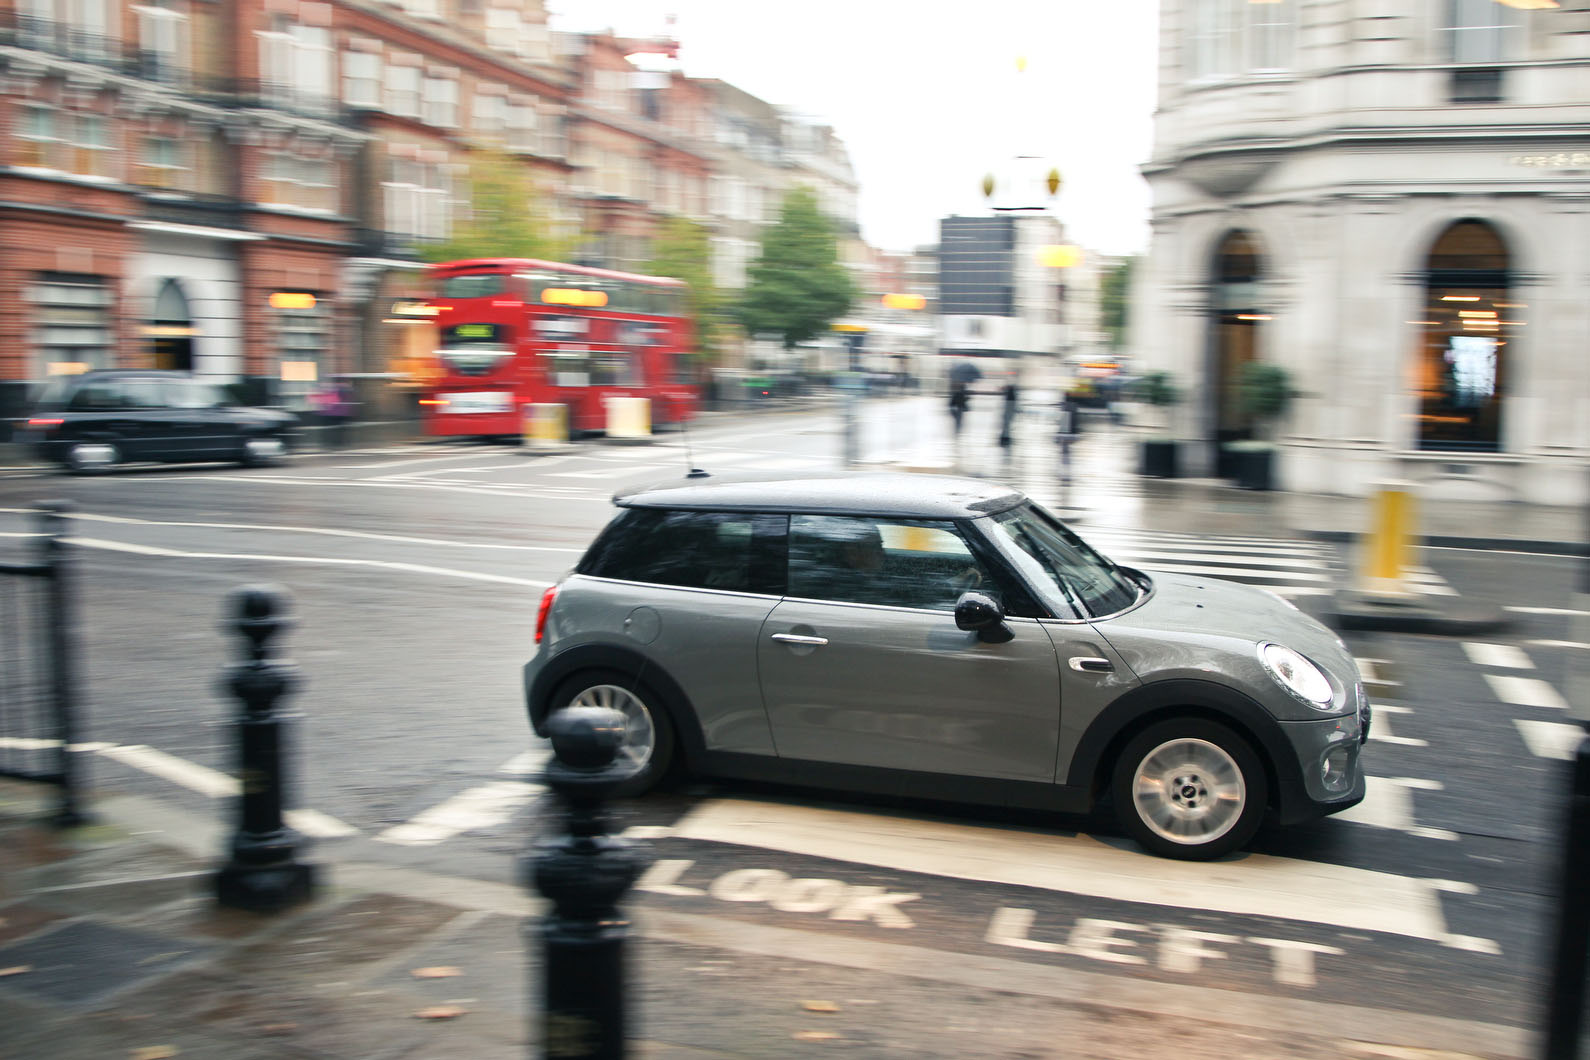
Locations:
1497 656
1551 739
478 808
1525 692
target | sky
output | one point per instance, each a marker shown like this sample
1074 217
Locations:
931 96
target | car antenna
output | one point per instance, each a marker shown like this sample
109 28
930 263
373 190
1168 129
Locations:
690 459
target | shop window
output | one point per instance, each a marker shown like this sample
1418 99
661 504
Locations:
300 326
72 327
1470 319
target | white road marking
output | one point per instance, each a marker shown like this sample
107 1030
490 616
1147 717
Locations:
1497 656
1369 670
1380 729
1234 572
1525 692
484 807
1571 644
321 530
217 785
1252 559
28 743
527 762
1251 885
1389 804
1545 611
1104 540
616 471
410 568
1551 739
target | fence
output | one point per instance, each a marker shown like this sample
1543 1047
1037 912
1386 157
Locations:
38 728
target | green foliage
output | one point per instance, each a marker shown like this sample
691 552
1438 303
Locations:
797 287
1155 388
505 217
1264 391
1115 301
683 250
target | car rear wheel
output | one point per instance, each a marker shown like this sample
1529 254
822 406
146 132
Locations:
1189 789
648 733
83 458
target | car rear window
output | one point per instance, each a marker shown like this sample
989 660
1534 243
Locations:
698 550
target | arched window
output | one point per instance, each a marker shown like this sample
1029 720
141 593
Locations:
1460 371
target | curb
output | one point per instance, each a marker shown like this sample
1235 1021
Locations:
1442 616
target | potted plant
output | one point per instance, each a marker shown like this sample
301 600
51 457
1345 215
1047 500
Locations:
1264 393
1160 452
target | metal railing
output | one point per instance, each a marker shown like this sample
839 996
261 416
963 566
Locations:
38 686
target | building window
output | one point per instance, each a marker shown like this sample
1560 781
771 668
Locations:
80 29
490 116
1481 31
72 324
163 163
300 327
403 91
417 196
1470 318
441 102
523 133
1230 38
36 139
162 42
295 66
299 180
361 79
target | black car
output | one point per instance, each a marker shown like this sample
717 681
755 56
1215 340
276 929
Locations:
99 419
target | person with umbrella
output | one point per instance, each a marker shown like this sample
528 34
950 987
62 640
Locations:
962 376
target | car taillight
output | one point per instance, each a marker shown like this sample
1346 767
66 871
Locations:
541 615
36 423
433 401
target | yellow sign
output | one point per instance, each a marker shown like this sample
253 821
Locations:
300 371
292 300
574 296
1061 256
904 301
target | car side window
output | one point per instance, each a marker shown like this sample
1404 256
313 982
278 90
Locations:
895 563
146 394
101 395
698 550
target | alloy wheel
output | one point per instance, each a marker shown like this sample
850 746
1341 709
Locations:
640 732
1189 791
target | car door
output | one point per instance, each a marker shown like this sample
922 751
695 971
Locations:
111 410
209 418
164 432
862 663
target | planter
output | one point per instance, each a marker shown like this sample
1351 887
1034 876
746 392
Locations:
1252 465
1160 458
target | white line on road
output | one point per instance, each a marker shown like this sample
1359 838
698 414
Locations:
1525 692
615 471
1281 562
484 807
1252 885
1551 739
1232 572
1498 656
411 568
1389 804
1545 611
527 762
1574 644
321 530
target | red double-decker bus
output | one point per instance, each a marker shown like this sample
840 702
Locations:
515 332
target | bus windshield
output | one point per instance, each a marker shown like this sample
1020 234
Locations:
474 284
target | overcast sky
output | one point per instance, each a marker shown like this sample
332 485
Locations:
928 98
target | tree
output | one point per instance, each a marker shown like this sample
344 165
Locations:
505 219
1115 294
683 250
797 286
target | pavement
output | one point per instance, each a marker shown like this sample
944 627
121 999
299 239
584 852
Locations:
111 945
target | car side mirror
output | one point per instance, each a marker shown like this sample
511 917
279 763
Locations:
981 613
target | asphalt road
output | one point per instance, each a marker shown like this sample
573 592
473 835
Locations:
415 574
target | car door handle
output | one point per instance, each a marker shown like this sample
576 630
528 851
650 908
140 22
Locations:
796 638
1086 665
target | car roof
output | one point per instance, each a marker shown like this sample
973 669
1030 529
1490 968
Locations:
888 493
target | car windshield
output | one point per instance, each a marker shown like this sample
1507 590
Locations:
1050 554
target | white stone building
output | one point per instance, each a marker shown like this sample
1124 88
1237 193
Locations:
1391 200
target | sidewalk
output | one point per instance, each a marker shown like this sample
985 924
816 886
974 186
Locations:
111 947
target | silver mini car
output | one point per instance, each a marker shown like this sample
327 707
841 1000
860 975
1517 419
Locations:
946 638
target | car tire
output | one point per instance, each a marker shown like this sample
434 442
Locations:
261 451
649 731
86 458
1189 789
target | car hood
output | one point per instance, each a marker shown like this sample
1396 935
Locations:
1216 610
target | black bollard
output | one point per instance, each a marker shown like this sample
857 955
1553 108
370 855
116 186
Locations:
263 873
63 662
584 874
1565 1001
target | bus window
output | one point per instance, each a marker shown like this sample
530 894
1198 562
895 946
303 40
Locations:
616 368
474 285
568 367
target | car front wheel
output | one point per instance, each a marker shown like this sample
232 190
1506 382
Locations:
261 451
648 743
1189 789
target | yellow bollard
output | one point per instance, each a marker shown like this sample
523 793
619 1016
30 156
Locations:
546 426
1388 550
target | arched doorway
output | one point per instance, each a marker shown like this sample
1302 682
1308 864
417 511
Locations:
171 330
1460 367
1234 342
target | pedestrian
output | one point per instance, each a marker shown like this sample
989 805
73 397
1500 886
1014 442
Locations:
960 401
1007 414
1066 432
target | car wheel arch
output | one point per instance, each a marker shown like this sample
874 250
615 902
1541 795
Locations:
1102 743
642 668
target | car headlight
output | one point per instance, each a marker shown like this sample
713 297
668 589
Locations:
1297 675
